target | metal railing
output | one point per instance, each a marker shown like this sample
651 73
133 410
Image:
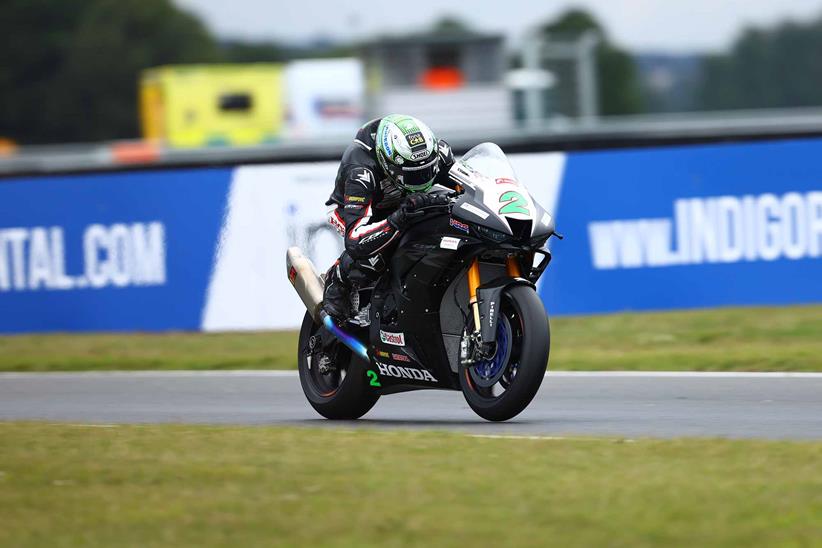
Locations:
556 133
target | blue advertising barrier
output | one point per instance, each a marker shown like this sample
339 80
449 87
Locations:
190 249
124 251
691 226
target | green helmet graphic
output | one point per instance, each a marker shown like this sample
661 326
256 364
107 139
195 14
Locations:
407 152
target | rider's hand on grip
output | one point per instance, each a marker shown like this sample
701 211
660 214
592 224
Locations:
413 207
420 201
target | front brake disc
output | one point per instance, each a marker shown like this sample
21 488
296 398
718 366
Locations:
487 373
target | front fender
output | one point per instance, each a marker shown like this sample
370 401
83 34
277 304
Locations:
488 296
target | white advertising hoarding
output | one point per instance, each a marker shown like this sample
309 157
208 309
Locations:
273 207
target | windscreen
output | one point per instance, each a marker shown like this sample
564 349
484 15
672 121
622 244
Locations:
488 159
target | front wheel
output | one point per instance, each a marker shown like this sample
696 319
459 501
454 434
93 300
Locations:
500 388
342 393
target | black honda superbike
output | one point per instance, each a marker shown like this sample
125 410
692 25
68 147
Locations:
457 308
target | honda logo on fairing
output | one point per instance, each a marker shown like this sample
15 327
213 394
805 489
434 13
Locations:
397 339
405 372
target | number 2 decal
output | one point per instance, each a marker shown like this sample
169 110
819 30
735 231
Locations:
373 376
516 203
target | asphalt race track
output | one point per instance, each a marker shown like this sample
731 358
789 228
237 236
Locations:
777 406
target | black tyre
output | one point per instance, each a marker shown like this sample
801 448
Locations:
342 394
501 387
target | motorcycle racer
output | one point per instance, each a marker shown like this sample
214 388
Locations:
383 179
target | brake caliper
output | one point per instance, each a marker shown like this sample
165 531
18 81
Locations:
473 350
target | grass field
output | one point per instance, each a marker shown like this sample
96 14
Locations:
741 339
64 485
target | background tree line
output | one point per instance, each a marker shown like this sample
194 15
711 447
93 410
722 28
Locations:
767 68
70 68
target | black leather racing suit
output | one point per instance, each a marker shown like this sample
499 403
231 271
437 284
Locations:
362 200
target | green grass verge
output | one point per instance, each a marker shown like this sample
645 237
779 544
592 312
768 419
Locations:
732 339
63 485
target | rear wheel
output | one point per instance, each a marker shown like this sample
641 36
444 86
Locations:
500 388
343 393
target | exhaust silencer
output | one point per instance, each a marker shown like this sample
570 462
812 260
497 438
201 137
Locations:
308 284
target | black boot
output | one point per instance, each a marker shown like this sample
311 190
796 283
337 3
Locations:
337 295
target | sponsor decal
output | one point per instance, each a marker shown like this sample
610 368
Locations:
118 255
415 139
514 203
292 275
505 181
474 209
720 229
401 357
354 206
372 237
397 339
449 242
386 143
419 155
405 372
491 315
383 354
334 220
465 169
358 199
459 225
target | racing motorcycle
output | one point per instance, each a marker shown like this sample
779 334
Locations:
456 309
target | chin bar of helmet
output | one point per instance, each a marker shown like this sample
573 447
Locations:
348 340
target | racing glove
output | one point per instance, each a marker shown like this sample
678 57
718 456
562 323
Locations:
413 206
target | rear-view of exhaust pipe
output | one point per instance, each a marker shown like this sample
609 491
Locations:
309 286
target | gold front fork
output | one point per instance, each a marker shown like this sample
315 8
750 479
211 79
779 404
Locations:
473 284
512 266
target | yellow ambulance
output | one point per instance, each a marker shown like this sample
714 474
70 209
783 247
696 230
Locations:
212 105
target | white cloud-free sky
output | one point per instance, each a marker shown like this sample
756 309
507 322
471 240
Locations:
641 25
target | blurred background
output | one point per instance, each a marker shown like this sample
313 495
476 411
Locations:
194 74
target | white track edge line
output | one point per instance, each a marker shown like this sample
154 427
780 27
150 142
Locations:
549 438
690 374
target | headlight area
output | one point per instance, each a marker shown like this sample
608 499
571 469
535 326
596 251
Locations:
492 235
499 237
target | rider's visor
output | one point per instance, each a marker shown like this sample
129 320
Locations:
415 178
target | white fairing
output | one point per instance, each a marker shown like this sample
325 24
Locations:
486 170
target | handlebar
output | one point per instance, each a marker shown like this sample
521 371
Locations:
444 208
